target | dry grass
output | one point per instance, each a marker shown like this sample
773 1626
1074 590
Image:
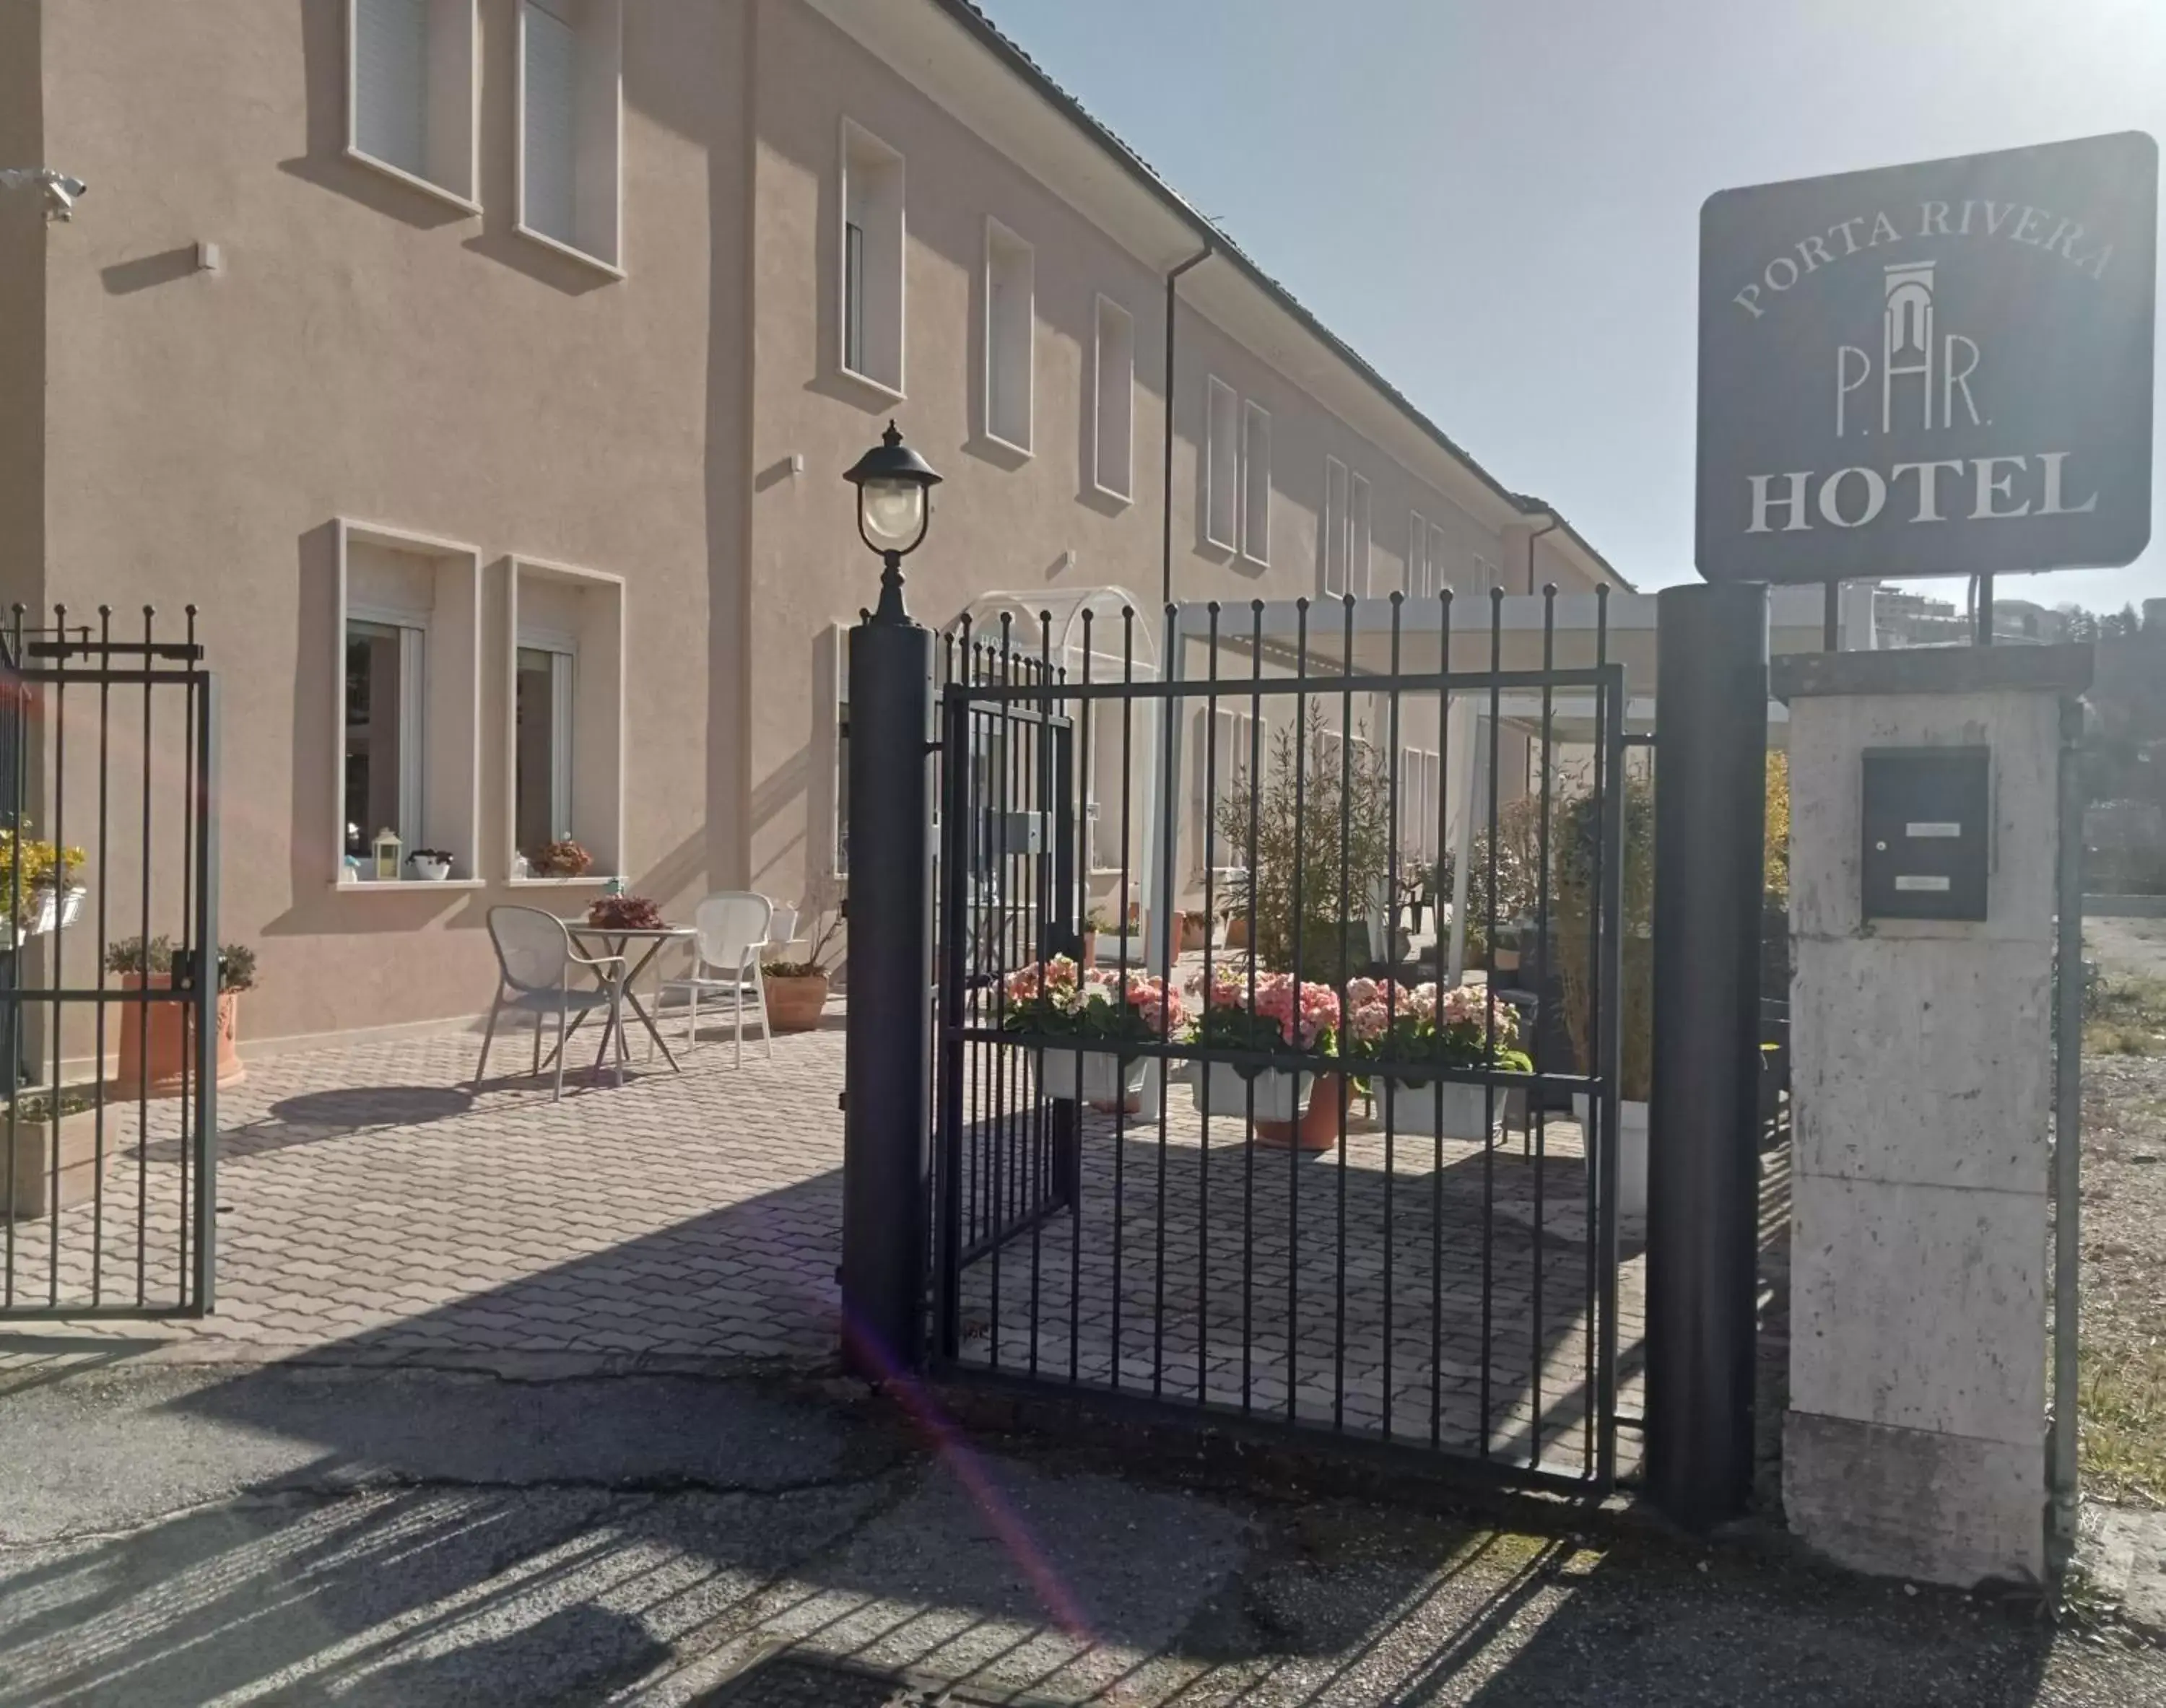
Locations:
2128 1018
2123 1409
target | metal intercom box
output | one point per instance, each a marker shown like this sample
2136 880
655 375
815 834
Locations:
1928 815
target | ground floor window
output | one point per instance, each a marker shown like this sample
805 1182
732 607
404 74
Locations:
383 733
542 691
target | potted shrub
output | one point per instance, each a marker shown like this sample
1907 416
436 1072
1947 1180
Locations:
44 1125
564 858
35 878
1093 1013
797 990
1297 1100
1409 1028
155 1037
430 865
1095 920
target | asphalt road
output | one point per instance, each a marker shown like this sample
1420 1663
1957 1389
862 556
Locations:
171 1535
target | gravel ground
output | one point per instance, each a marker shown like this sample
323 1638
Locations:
2124 1236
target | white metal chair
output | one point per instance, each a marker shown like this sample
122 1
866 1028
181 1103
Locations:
535 959
734 931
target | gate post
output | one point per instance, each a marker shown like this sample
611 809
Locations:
886 1129
1703 1210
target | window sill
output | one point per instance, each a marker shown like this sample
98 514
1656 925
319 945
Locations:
1260 562
570 251
880 388
1214 543
414 181
1111 496
583 879
1002 443
386 886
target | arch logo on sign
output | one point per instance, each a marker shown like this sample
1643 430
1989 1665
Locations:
1942 369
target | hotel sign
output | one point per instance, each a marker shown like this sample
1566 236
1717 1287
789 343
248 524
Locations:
1942 369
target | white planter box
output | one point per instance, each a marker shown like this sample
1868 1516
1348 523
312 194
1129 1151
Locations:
1631 1153
46 909
1104 1078
1415 1106
1282 1094
429 871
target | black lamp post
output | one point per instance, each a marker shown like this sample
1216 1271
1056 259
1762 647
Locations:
886 1126
895 508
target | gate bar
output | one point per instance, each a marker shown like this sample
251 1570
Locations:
1703 1201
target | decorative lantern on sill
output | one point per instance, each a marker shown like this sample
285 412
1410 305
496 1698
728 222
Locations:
388 848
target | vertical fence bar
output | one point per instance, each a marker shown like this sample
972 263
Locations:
203 697
57 713
955 968
2068 1137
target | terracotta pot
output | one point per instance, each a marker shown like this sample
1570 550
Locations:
1195 932
172 1040
794 1004
1317 1129
1090 957
1237 931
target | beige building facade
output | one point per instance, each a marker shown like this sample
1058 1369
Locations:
484 370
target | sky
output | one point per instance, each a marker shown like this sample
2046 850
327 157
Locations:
1497 202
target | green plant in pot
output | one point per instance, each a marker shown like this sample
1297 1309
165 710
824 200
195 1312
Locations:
1342 868
157 1037
797 988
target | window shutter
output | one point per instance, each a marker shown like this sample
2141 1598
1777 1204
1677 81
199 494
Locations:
390 81
551 151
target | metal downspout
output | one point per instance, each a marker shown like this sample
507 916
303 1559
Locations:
1172 279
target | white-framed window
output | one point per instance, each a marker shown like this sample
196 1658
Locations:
868 297
410 93
1420 800
1420 580
1219 740
1485 575
1256 483
564 716
1113 402
571 127
1439 547
1332 527
831 740
407 641
1010 330
1221 464
1357 538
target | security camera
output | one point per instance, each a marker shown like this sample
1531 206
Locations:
60 196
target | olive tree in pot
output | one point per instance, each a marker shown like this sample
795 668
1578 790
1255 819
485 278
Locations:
157 1040
797 990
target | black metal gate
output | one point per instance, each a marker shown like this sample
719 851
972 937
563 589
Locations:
110 974
1385 1206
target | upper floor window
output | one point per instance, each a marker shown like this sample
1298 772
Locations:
1256 483
1010 316
1419 583
1332 545
871 300
1221 464
570 93
410 92
1112 468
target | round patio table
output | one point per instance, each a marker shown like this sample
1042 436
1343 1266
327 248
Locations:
638 946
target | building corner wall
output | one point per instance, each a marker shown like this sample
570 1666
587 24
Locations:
22 312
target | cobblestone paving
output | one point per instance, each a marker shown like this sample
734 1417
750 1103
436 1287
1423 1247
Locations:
1366 1295
373 1202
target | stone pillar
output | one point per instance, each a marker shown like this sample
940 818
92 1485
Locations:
1921 1085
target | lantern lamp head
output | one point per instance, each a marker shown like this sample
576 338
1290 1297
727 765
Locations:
894 506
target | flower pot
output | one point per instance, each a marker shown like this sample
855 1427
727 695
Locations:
1448 1108
428 871
794 1002
157 1040
1237 931
45 909
1099 1077
30 1167
1631 1152
1195 932
1089 958
1220 1089
1317 1128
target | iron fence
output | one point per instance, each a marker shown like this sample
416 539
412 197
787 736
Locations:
110 1016
1339 929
